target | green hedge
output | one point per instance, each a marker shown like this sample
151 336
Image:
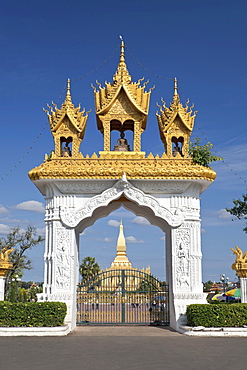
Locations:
32 314
219 315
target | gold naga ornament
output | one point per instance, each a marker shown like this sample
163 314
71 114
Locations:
122 105
240 264
5 265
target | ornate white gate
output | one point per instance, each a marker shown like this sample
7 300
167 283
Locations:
165 190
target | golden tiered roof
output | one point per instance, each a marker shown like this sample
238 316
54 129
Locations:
176 123
108 96
67 122
121 105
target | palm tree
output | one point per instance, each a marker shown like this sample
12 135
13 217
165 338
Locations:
88 268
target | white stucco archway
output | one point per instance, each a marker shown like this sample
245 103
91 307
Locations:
173 206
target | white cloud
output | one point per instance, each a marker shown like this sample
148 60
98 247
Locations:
163 237
108 240
140 221
223 214
132 239
40 231
203 231
3 209
4 229
114 223
31 205
12 220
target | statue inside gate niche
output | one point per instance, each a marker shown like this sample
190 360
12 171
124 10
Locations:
122 144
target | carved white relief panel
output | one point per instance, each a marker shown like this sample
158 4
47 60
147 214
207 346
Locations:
63 260
182 258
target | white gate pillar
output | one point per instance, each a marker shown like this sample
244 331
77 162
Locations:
2 282
183 256
243 285
61 263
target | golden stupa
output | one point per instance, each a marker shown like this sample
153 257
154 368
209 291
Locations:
121 262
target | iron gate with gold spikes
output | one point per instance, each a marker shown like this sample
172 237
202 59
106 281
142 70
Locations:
123 297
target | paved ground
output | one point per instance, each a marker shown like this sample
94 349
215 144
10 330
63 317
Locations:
133 348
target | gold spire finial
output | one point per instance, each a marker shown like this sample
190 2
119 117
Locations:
68 96
175 86
122 74
122 56
175 94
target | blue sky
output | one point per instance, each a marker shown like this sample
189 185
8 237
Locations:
202 43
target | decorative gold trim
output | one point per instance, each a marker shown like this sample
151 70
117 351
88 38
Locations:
121 155
116 164
4 268
241 269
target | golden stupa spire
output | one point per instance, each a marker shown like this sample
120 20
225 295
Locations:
122 74
121 258
121 244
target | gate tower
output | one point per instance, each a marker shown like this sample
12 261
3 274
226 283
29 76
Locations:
81 189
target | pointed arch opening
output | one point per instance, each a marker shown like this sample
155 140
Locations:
177 145
66 146
122 135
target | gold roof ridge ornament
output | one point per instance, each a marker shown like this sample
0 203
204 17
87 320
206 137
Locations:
175 125
240 264
68 126
122 105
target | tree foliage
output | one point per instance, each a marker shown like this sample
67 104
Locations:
148 284
207 285
240 209
202 154
88 268
21 242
